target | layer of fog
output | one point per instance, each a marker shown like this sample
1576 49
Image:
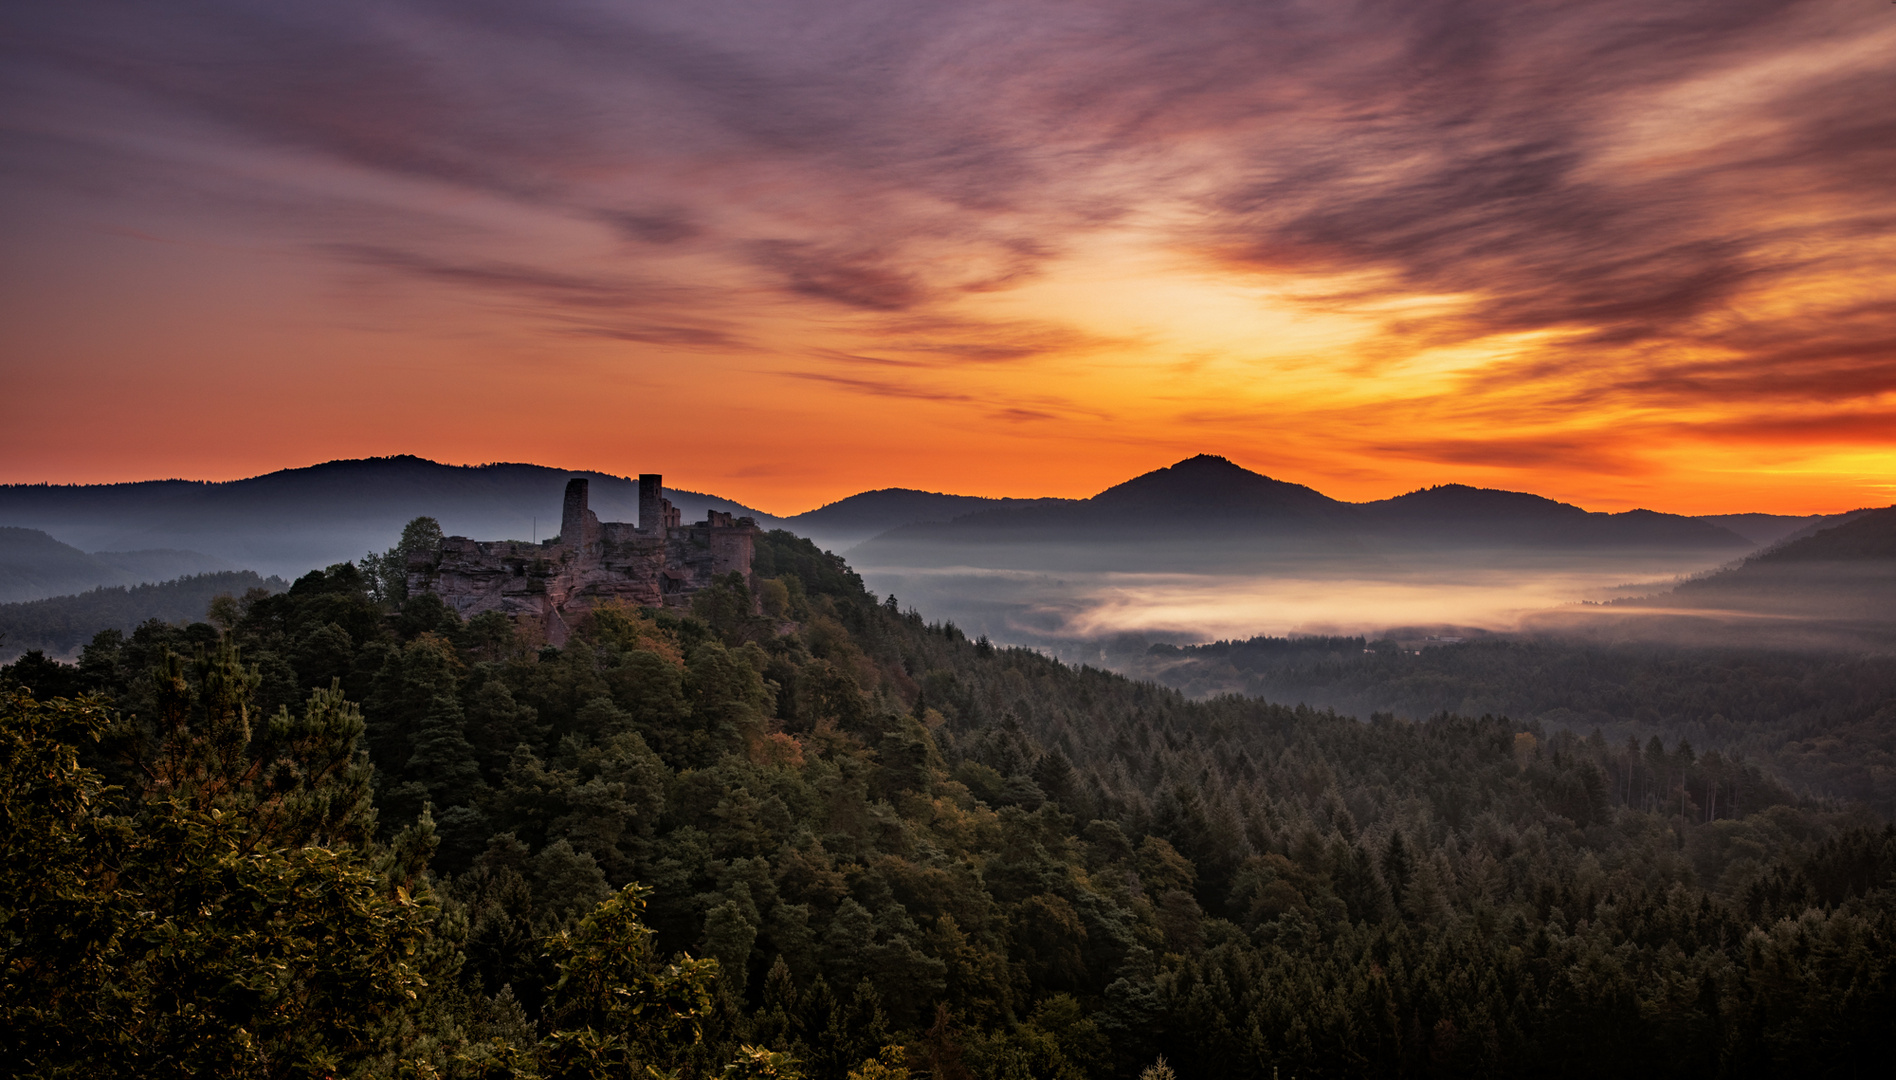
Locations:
1469 591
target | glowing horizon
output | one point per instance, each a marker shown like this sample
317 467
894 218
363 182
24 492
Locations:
786 253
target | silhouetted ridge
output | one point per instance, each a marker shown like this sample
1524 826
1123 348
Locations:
866 514
1209 500
1208 484
34 565
1463 515
1459 501
1844 575
1870 535
289 521
1763 529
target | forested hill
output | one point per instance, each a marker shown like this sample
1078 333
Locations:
289 521
1207 502
34 565
1844 574
1866 536
1824 722
1456 513
61 625
847 522
907 852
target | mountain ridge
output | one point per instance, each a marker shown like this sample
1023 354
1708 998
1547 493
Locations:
1836 583
291 521
854 518
33 564
1214 499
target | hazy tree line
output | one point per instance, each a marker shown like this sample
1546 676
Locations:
834 839
62 624
1822 721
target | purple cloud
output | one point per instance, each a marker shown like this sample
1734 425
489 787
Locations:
1579 168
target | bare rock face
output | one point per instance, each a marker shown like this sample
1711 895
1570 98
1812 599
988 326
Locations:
658 563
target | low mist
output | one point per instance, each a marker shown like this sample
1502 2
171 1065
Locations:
1445 592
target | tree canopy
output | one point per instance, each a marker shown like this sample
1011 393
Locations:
352 835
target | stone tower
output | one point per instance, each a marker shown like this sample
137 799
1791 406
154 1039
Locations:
652 504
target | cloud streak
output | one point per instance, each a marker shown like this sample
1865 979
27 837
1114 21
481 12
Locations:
1575 211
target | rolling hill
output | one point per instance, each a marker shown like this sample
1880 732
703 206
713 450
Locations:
1467 516
1834 588
34 565
1846 571
61 625
1766 529
1210 505
294 520
847 522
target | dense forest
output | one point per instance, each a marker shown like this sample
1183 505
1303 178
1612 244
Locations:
62 624
1821 721
809 833
34 566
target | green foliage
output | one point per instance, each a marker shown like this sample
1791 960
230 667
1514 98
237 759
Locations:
890 1064
899 849
616 1010
387 573
63 624
757 1063
1809 720
196 931
805 569
729 609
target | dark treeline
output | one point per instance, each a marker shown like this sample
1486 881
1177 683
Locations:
910 853
1822 722
62 624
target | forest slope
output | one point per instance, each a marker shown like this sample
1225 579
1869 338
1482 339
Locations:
980 862
61 625
34 565
847 522
1828 589
1844 571
1823 722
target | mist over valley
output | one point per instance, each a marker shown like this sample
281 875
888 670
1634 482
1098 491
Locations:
1342 735
1110 541
1199 551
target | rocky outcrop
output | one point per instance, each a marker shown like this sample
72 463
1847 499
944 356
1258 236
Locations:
658 563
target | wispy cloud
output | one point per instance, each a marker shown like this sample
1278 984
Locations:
995 407
1681 208
882 388
1607 452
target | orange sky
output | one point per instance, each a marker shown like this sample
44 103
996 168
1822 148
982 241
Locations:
786 253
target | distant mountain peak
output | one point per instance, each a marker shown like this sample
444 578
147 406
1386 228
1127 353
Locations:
1211 483
1206 465
1457 500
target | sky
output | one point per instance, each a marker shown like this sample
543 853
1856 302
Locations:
1618 253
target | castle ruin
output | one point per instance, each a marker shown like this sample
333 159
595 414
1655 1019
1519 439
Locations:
658 563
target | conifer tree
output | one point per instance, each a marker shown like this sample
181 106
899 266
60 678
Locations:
1397 868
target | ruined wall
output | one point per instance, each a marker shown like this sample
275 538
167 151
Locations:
657 563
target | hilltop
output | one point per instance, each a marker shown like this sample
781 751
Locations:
1209 507
292 520
34 565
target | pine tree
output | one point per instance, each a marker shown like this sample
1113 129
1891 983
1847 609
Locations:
443 761
1397 868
